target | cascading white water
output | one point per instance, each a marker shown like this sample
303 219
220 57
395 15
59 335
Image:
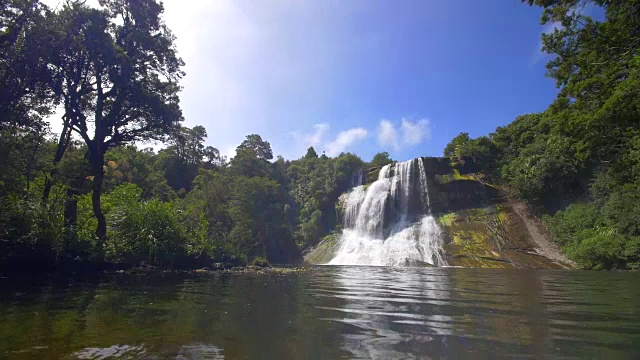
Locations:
356 178
390 222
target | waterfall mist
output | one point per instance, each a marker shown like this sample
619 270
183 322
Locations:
390 222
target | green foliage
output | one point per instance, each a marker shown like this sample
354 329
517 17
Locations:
24 54
581 156
186 154
252 157
316 184
569 222
544 172
311 153
146 231
601 237
473 155
115 70
144 168
606 251
452 148
381 159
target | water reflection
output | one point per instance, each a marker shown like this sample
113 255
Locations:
404 313
114 351
385 307
331 312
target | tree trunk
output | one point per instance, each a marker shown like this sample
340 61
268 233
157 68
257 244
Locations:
97 171
31 162
70 217
63 142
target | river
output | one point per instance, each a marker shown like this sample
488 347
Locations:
327 312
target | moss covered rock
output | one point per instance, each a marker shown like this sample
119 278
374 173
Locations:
324 251
494 236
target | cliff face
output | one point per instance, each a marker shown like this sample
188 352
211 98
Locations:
480 225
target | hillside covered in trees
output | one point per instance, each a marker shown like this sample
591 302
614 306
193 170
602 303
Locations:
578 162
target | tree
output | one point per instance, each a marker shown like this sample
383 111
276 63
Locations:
452 149
252 157
311 153
25 94
257 147
212 157
185 156
255 212
596 67
116 71
381 159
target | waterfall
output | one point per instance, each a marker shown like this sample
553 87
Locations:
356 178
390 222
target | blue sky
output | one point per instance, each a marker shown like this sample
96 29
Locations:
361 76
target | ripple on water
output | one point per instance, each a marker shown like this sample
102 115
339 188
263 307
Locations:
114 351
329 312
516 311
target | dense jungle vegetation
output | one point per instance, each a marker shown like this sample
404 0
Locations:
578 162
89 196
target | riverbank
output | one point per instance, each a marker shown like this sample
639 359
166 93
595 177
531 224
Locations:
110 269
233 270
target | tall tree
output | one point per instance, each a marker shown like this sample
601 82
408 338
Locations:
596 66
452 149
311 153
117 73
381 159
24 52
186 154
252 157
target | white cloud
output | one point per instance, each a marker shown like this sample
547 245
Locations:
345 139
314 138
408 133
414 133
317 138
387 135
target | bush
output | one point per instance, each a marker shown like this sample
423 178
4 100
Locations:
566 223
146 231
33 231
605 251
599 238
622 211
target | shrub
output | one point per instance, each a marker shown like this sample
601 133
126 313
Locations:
604 251
146 231
566 223
599 238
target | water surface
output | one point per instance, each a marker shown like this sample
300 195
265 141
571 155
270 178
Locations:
328 312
